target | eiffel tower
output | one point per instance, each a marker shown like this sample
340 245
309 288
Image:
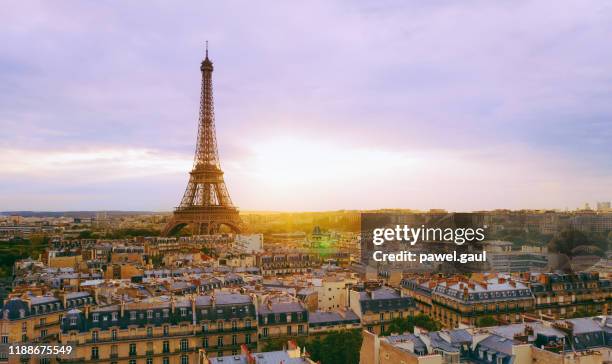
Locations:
206 204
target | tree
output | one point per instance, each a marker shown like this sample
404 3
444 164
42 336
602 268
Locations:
336 347
400 325
486 321
85 234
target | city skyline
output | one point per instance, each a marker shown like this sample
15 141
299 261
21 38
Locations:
393 106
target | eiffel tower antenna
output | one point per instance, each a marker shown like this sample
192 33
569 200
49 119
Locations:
206 204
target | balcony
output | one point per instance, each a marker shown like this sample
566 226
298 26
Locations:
46 325
140 337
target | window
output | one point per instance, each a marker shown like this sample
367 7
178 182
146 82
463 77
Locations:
247 324
299 316
115 316
24 327
247 338
204 327
234 325
300 329
288 330
132 361
149 331
149 360
166 360
132 349
233 309
166 312
5 339
95 317
205 342
166 346
184 344
220 341
114 350
43 333
132 315
265 332
234 339
94 352
382 316
220 325
94 336
149 314
166 330
184 359
183 311
114 335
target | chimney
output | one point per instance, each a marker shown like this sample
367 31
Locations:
193 310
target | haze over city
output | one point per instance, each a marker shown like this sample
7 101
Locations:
393 104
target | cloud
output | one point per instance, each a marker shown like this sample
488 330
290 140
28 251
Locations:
91 165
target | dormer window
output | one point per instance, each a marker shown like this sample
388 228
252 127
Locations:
95 317
150 314
115 316
132 315
73 321
21 313
183 311
166 312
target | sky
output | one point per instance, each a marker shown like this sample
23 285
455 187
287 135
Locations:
319 105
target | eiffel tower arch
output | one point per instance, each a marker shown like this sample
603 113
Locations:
206 204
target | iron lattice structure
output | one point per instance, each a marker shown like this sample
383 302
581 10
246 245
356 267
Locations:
206 204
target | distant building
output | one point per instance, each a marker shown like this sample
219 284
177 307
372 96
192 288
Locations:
377 308
252 243
281 317
458 302
564 295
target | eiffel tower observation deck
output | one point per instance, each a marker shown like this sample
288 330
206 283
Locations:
206 204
